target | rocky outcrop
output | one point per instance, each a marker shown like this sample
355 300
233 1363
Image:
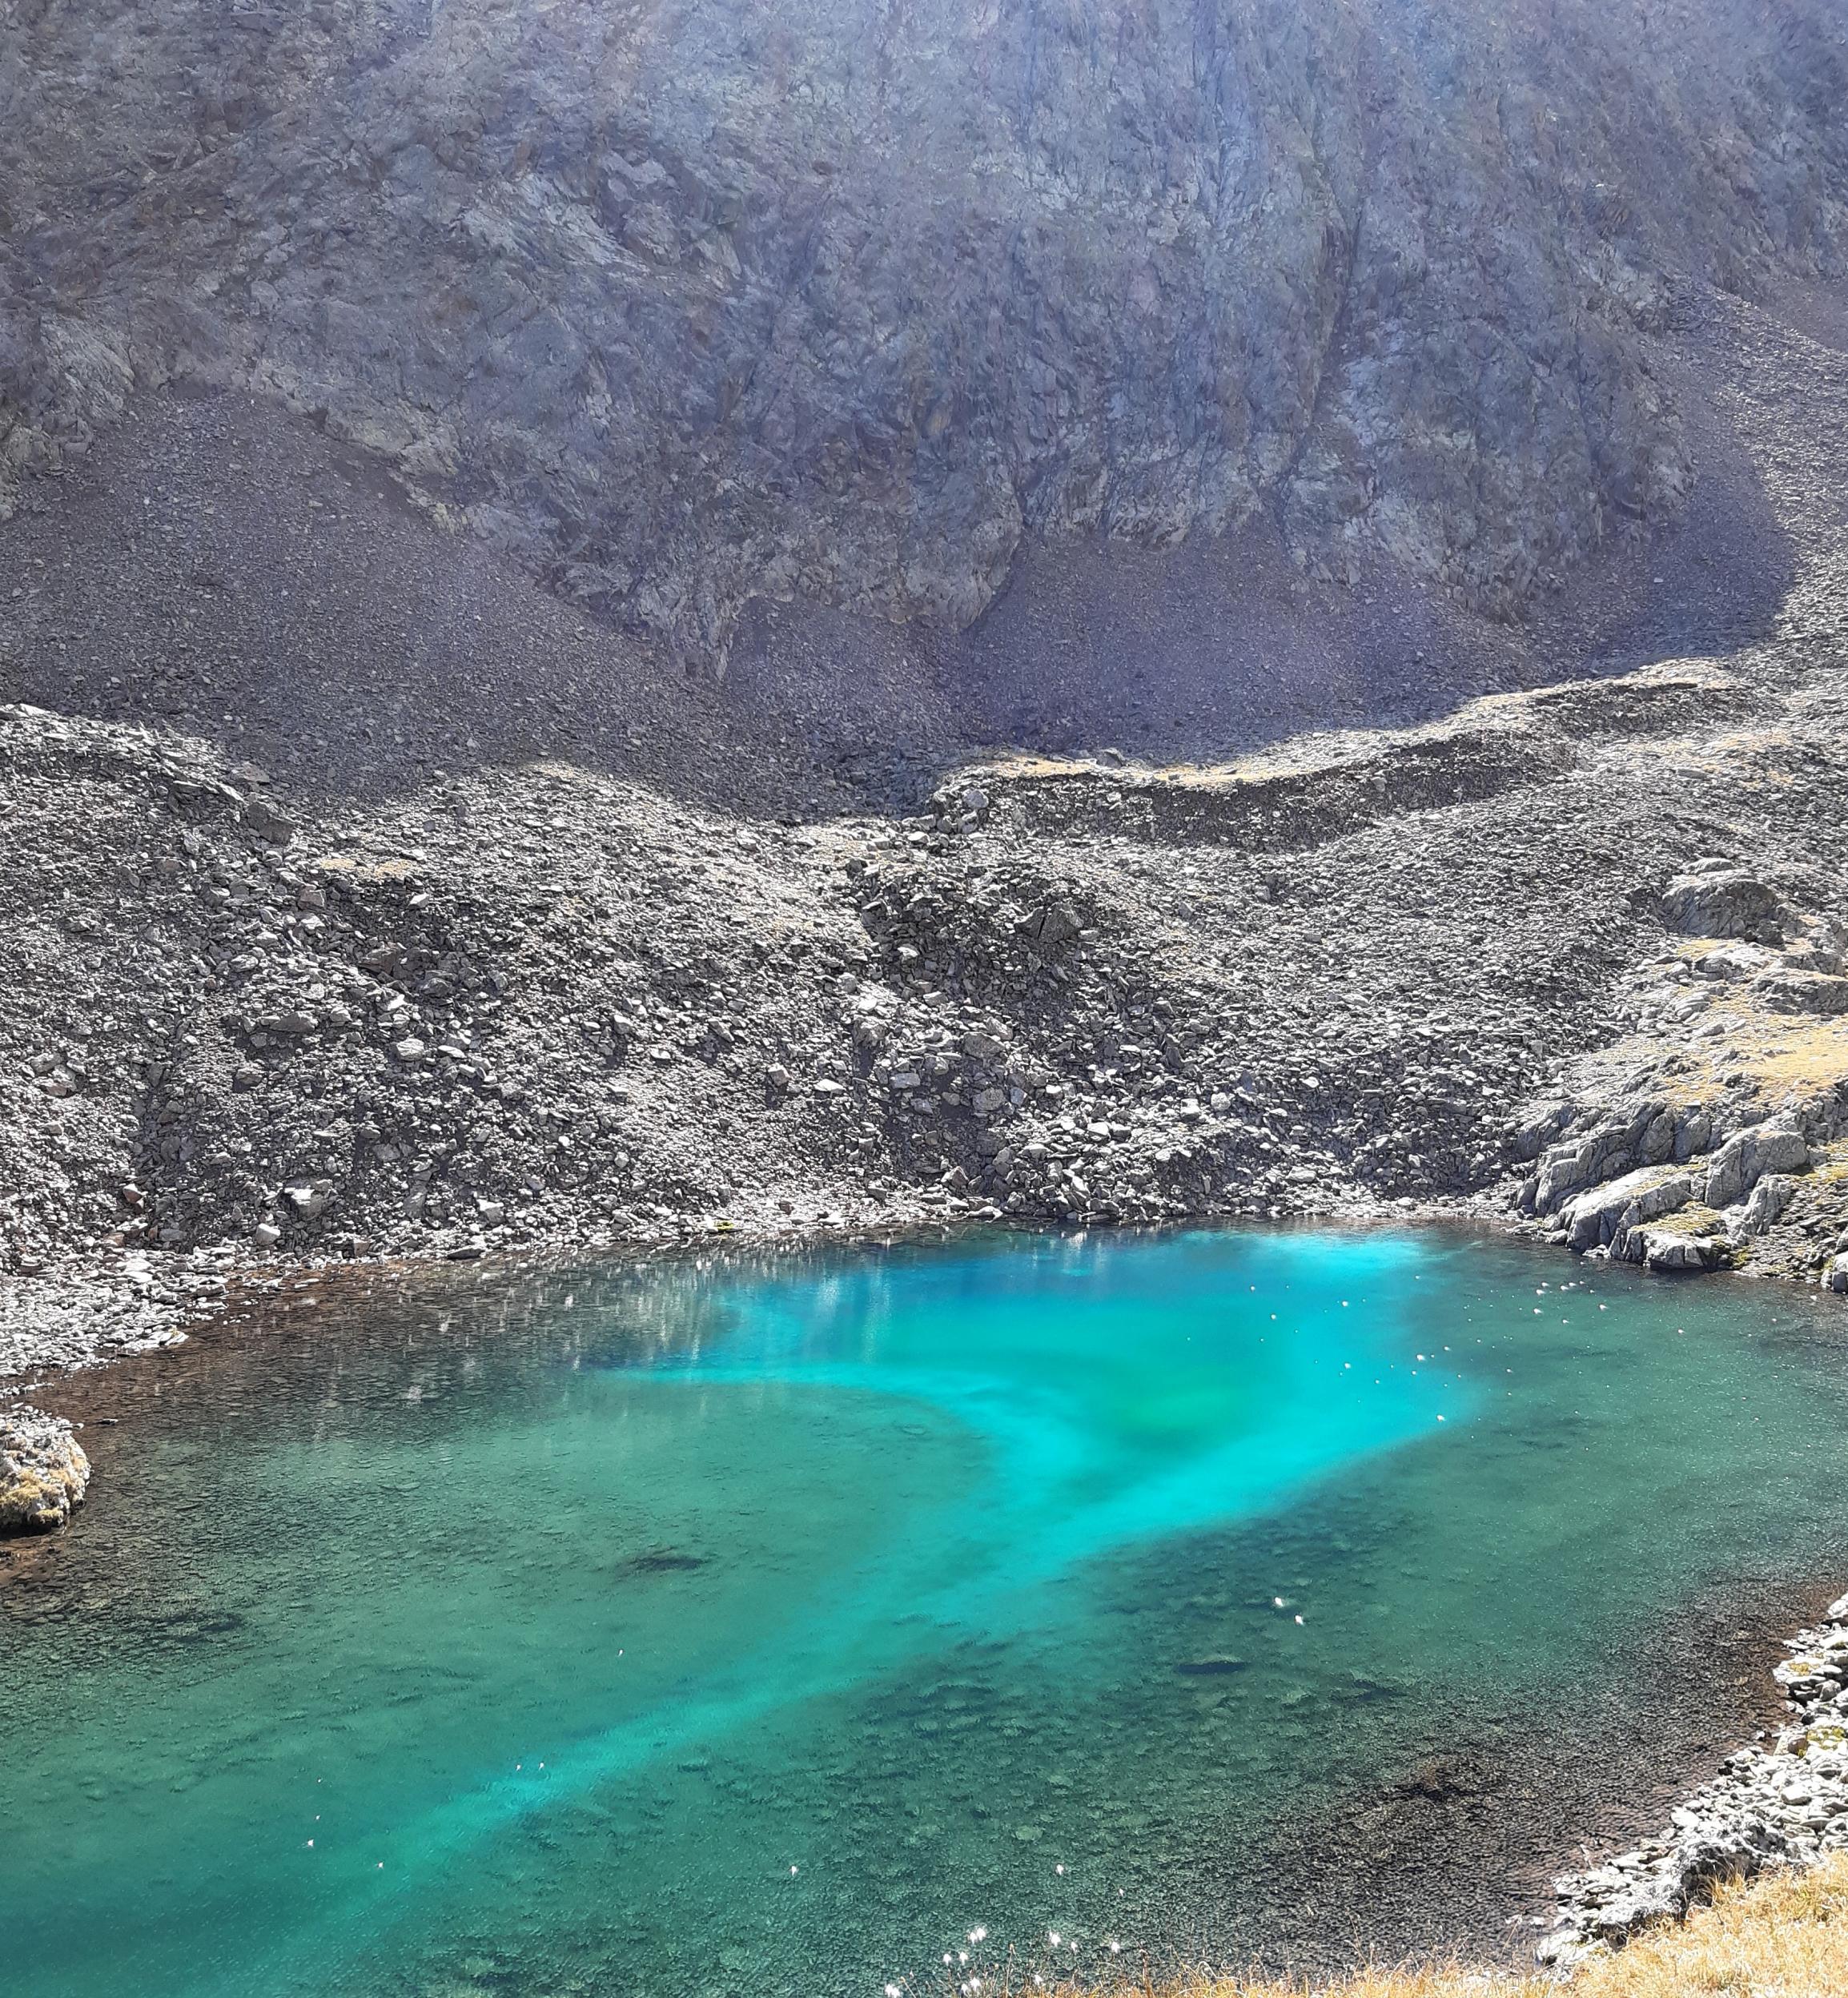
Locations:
1718 899
1598 1217
693 308
1600 1201
43 1472
1770 1199
1669 1251
1805 992
1738 1165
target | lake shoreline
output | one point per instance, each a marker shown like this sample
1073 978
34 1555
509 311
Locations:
1659 1871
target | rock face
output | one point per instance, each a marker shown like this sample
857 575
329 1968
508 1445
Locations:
692 306
1736 1167
1596 1217
43 1472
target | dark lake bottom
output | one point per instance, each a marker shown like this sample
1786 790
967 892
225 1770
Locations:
767 1625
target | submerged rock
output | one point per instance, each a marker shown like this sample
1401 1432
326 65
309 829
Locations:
43 1472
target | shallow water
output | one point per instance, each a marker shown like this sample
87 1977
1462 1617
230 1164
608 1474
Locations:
766 1624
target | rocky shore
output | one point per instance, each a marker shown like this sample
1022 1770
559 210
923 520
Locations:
1780 1803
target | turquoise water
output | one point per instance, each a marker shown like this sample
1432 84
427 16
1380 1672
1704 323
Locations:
767 1626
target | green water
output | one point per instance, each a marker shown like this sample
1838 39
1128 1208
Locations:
765 1626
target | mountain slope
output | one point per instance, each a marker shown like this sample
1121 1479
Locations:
687 307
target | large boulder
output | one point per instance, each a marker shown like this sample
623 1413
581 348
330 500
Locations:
1778 1146
1665 1250
43 1472
1606 1212
1721 901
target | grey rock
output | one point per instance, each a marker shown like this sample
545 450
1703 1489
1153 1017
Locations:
1732 903
1805 992
1537 1132
267 822
1057 924
1693 1133
1656 1143
1739 1163
1596 1217
1767 1202
861 333
1579 1163
1664 1251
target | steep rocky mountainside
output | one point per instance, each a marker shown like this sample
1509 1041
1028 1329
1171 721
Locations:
1575 957
690 307
368 896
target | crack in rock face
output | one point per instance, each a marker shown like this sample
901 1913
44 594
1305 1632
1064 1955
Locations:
690 308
